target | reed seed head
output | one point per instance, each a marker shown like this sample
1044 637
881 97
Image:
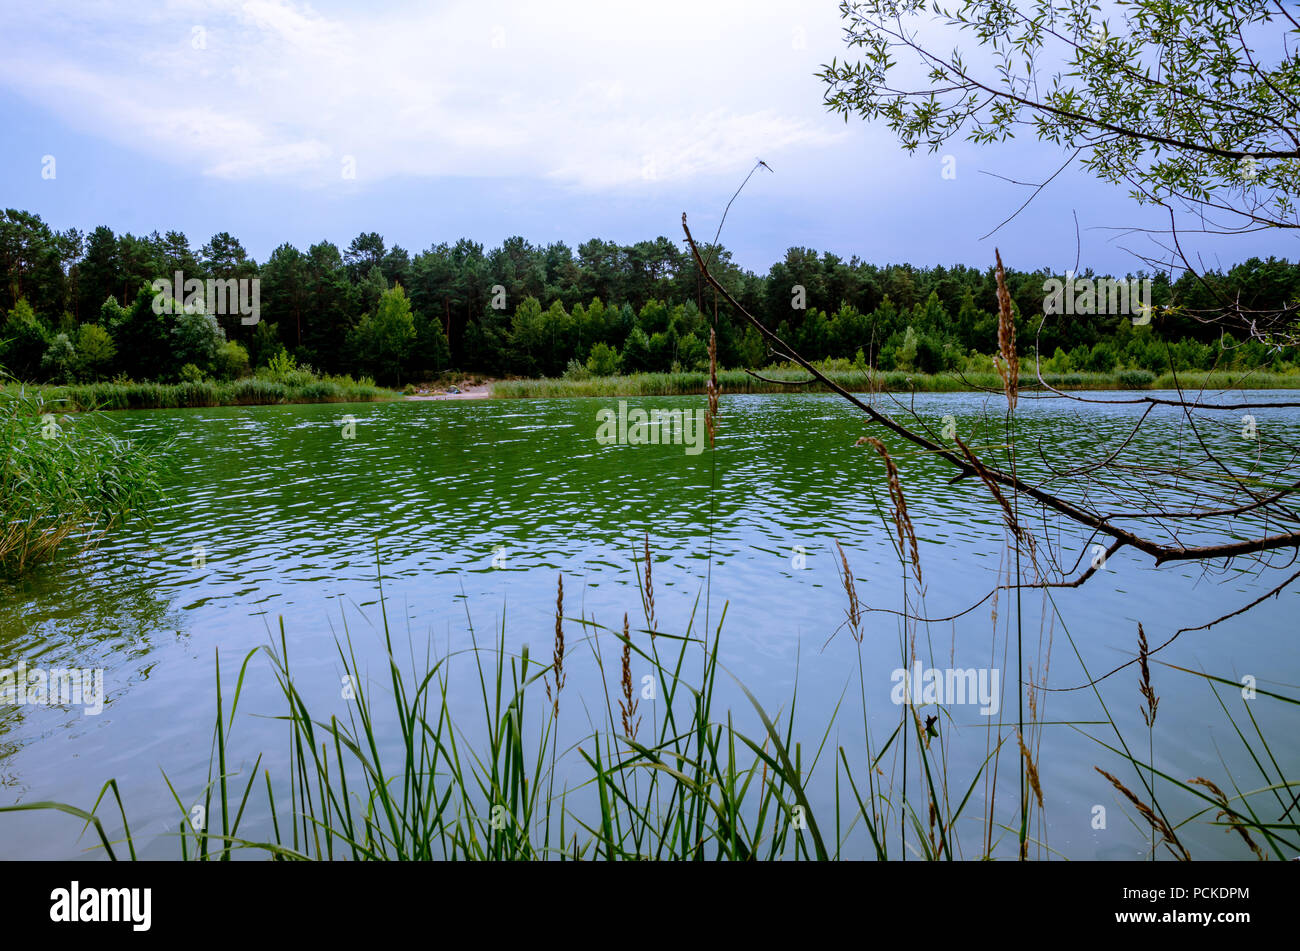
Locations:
902 521
1233 821
627 705
1031 769
1148 692
855 609
1007 363
649 588
557 655
1157 824
710 417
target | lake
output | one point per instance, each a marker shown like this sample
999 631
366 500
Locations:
472 508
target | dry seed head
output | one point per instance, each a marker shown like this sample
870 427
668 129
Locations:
1008 364
1147 813
557 655
855 610
1233 821
627 705
902 521
711 416
649 588
992 486
1144 686
1031 769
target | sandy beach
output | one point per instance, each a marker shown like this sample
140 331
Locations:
479 392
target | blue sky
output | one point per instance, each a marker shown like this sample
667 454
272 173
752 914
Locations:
556 121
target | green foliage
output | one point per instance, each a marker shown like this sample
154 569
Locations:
905 358
431 353
636 352
1135 379
141 337
644 301
231 361
64 479
384 338
189 373
264 344
94 352
692 352
1185 102
576 371
196 340
60 359
301 387
604 360
280 366
24 338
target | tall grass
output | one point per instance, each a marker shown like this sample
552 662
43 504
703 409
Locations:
63 480
1227 380
397 776
248 391
894 381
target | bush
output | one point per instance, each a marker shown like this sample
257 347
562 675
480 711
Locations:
95 352
232 361
191 374
197 338
576 371
603 361
1135 379
1101 358
24 339
59 360
280 364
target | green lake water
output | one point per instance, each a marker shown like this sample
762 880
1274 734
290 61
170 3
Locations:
473 507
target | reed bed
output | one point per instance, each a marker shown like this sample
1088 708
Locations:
395 775
1193 380
63 481
894 381
250 391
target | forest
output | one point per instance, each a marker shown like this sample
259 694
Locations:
81 308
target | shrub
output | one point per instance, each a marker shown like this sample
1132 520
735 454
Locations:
280 365
95 352
59 360
191 374
1135 379
576 371
24 339
232 361
603 361
197 339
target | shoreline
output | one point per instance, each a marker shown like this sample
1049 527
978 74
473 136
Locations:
255 392
785 381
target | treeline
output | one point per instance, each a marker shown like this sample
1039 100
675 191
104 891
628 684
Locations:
80 307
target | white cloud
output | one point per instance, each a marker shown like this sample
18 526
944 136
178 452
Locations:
590 95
